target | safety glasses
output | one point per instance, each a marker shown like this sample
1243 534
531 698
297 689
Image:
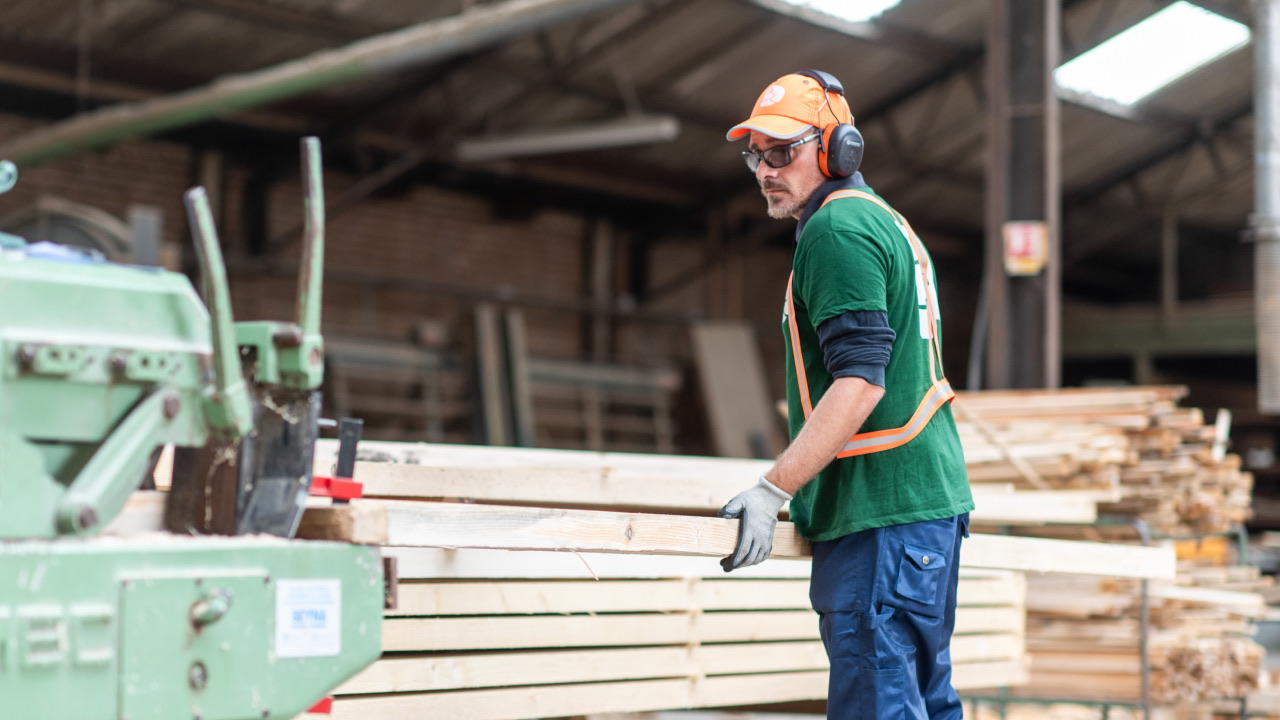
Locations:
778 156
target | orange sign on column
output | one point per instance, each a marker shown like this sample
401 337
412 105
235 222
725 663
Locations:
1026 247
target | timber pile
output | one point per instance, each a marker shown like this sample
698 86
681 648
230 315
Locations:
1033 458
514 612
1083 636
527 634
1168 467
503 635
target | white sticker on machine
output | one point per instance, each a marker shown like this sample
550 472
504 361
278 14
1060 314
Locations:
308 618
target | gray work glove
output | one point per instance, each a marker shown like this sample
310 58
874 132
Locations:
758 509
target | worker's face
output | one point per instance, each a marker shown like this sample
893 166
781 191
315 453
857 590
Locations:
787 189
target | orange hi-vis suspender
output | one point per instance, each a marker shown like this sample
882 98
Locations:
939 392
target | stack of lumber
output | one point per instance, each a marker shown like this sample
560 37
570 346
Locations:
503 635
1083 636
509 606
1168 467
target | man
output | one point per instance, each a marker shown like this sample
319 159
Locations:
874 473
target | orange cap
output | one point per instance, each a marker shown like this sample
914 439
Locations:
790 106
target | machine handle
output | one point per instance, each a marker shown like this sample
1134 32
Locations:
228 407
8 176
211 608
310 281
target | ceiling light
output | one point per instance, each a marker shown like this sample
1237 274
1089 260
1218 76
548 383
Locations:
636 130
1153 53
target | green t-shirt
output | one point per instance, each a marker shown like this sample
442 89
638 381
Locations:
853 255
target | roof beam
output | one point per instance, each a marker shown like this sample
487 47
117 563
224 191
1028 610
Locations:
1195 134
100 91
1106 230
381 54
561 78
283 18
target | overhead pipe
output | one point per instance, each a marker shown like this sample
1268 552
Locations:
1265 222
380 54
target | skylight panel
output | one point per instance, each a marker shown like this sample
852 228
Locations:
1152 53
850 10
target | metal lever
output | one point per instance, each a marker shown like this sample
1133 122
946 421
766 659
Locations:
227 407
300 347
211 608
348 437
8 176
310 281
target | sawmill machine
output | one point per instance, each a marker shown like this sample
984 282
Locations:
224 617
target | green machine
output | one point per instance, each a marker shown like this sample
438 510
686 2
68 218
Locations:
224 617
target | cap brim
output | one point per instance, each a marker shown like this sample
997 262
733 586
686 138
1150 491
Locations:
775 126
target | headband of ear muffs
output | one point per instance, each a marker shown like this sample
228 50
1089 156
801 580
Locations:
840 149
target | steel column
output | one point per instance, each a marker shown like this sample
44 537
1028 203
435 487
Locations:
1022 324
1266 219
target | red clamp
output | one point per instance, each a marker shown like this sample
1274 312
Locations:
341 487
325 706
336 488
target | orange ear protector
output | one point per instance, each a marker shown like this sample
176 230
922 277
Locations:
840 148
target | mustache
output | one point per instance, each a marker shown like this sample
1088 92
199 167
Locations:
771 184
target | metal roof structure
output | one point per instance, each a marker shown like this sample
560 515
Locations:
914 78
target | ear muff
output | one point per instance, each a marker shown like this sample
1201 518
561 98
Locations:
840 150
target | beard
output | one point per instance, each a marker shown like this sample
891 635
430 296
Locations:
784 205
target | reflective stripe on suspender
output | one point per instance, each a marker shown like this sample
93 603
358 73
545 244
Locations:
939 392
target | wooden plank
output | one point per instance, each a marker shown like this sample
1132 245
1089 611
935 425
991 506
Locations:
986 646
471 564
477 456
612 596
535 485
734 390
453 525
1008 588
654 489
995 674
700 715
518 366
1083 686
493 385
567 700
1022 466
616 379
454 672
389 522
1039 506
551 631
1068 556
524 598
1246 603
558 631
142 513
635 696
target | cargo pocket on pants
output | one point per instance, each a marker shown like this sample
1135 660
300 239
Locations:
918 579
879 694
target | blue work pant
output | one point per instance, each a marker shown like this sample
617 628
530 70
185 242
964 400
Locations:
886 600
